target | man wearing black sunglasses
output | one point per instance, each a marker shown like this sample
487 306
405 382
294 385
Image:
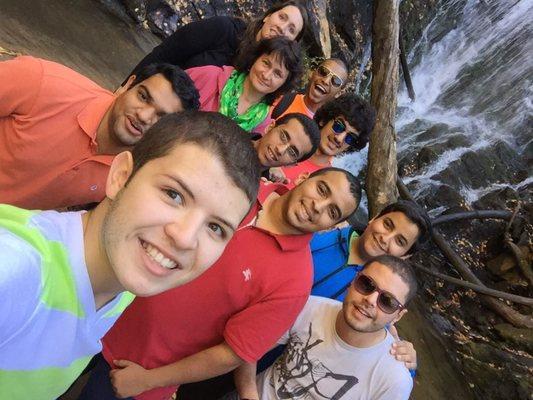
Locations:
326 81
341 350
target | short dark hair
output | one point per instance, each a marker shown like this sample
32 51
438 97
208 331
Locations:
213 132
256 25
289 54
181 83
355 185
357 112
400 267
414 213
310 129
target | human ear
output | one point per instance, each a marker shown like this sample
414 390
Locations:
269 127
124 88
119 173
301 178
399 316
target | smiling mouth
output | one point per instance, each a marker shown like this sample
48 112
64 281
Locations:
158 257
362 311
334 144
305 214
321 89
271 154
377 244
136 126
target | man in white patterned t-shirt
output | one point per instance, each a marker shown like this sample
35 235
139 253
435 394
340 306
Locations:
341 350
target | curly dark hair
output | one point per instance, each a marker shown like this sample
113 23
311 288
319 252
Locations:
289 54
357 112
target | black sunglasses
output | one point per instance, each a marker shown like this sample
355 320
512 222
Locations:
324 72
339 127
386 301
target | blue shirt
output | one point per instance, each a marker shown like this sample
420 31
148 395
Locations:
332 273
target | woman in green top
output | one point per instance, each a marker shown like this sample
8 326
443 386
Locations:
245 91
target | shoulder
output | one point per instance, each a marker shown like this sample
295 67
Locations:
394 376
20 282
317 305
326 239
230 24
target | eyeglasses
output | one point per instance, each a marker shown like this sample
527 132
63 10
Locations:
339 127
386 301
324 72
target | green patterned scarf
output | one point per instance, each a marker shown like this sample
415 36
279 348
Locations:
229 100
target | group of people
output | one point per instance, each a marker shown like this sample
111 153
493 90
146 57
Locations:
190 225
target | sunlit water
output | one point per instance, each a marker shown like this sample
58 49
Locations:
476 78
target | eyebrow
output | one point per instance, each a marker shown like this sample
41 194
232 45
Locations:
326 186
148 94
403 238
158 106
292 146
191 195
335 206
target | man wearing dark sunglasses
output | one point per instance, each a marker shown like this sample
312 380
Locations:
326 81
341 350
345 125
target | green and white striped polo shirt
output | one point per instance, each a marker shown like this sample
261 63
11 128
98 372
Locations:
49 327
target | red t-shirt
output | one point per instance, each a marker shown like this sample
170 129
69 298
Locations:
294 171
248 298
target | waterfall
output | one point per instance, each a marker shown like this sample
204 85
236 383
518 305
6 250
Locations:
472 72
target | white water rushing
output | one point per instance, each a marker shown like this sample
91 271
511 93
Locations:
472 71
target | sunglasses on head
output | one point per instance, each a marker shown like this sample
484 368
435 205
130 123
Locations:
324 72
339 127
386 301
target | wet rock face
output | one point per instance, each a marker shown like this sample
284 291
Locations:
337 27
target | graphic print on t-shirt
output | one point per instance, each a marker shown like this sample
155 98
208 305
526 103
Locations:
296 366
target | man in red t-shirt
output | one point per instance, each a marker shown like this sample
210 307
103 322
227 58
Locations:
345 125
237 310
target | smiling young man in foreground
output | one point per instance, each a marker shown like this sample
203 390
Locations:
66 277
59 131
238 309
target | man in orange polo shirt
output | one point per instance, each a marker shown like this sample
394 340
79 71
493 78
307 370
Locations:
59 131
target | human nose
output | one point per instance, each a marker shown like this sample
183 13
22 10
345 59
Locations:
384 240
281 149
320 205
147 116
372 298
339 137
184 231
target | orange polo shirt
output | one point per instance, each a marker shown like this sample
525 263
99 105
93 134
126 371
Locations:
48 120
297 106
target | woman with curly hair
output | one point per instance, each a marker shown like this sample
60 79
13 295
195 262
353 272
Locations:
345 125
245 92
216 40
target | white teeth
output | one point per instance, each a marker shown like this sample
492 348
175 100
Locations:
158 257
320 89
306 215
